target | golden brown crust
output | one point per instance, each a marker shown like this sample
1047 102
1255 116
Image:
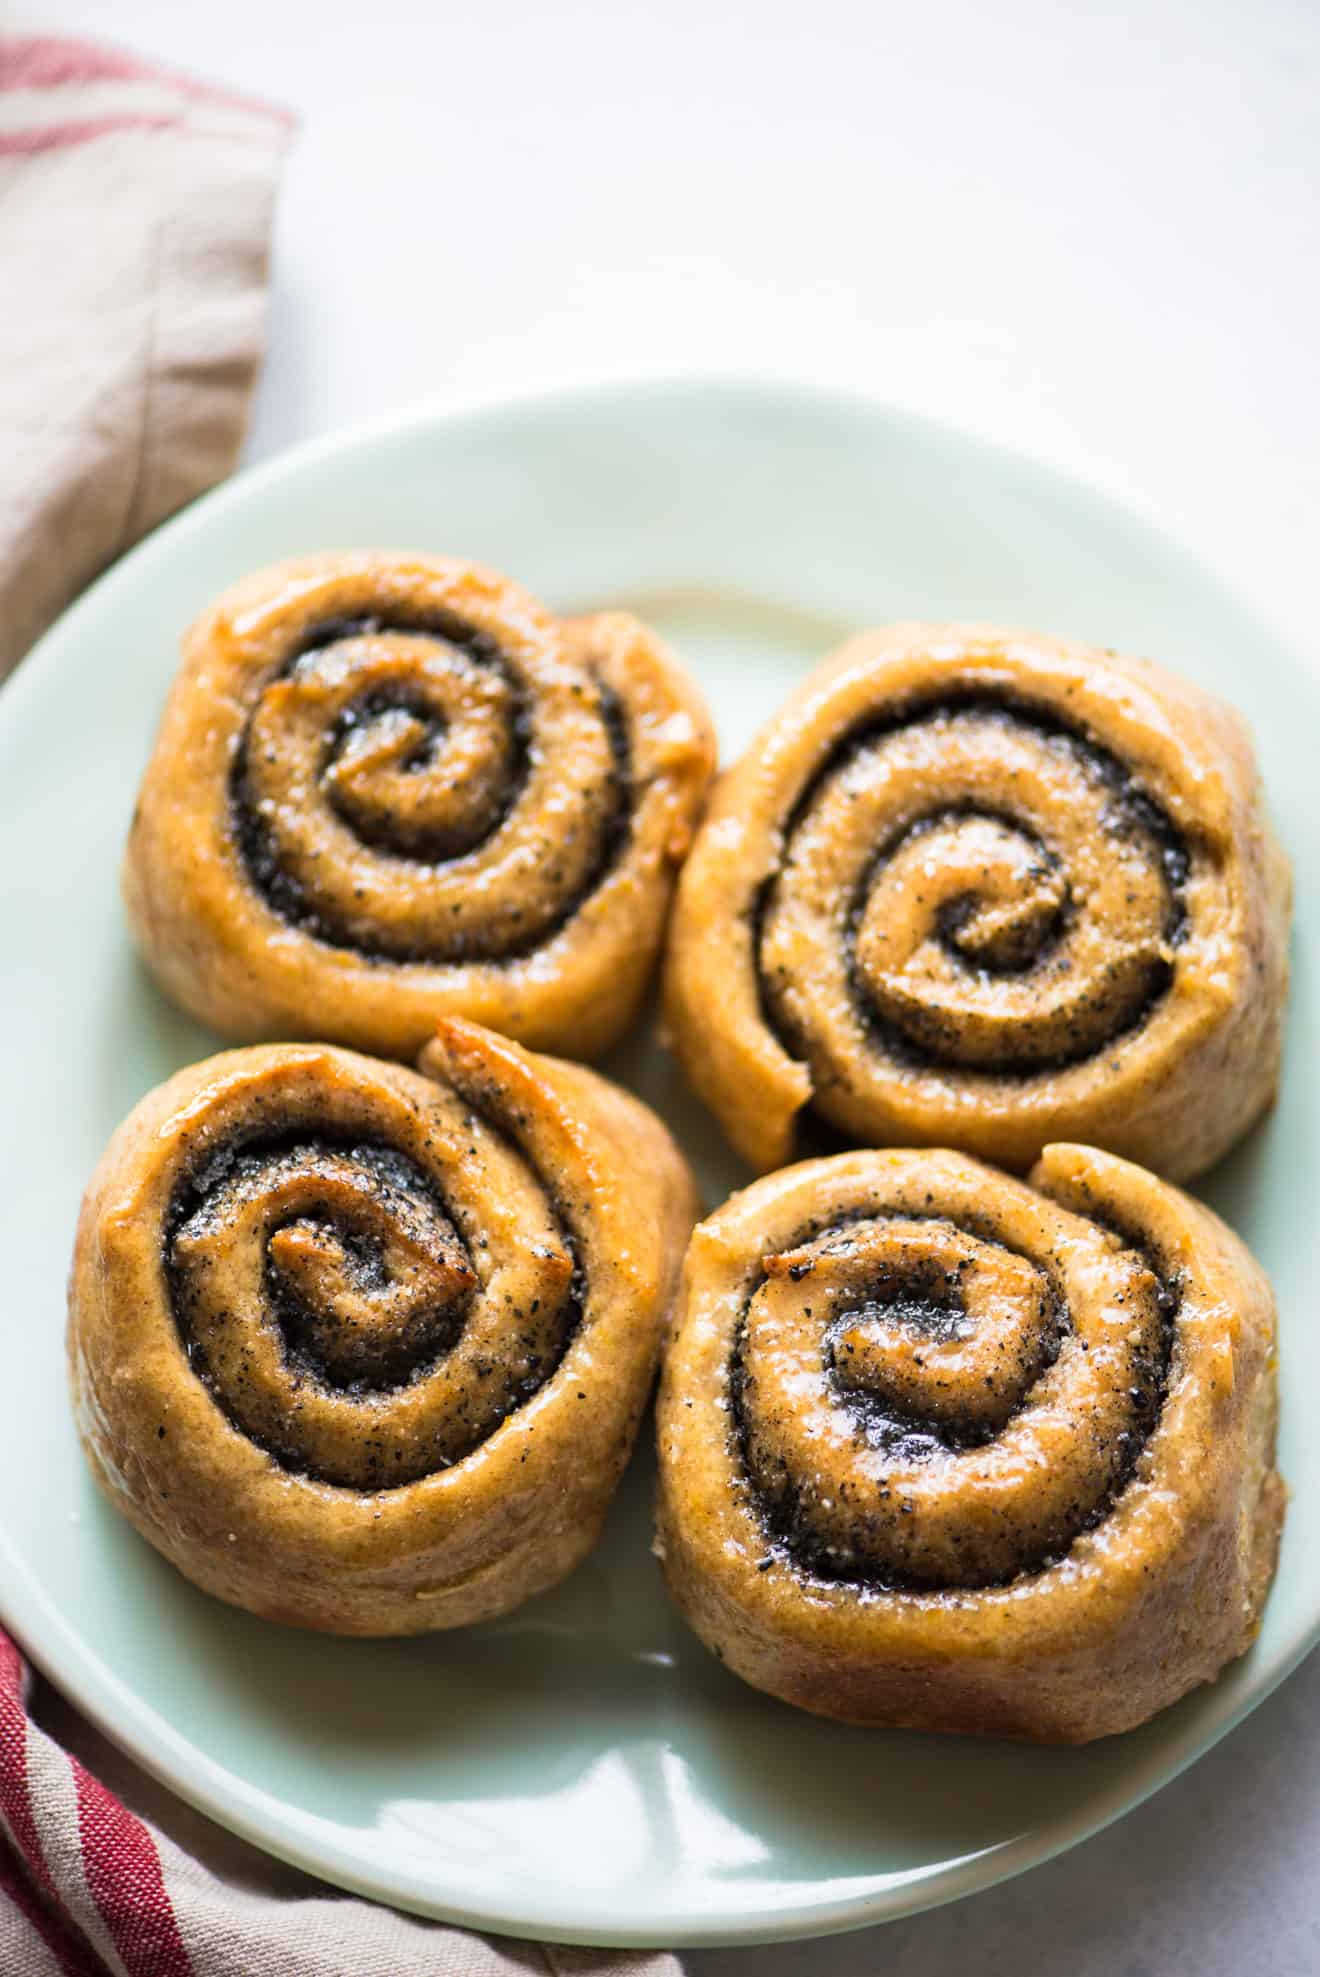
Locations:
941 1449
301 1274
389 788
987 889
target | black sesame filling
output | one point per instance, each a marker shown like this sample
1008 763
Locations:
788 1529
290 899
1131 813
317 1357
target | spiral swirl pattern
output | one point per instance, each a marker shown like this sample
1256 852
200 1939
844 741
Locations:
986 890
365 1349
389 788
944 1447
380 1355
422 791
924 1405
1008 901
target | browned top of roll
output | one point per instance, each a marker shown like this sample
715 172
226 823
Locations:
985 888
943 1446
392 787
393 1332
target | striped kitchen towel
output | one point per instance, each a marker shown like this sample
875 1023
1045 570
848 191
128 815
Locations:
137 208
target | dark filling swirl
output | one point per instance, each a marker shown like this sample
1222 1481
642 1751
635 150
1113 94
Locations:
1016 923
920 1405
341 1318
405 788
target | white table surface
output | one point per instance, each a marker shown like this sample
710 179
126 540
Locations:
1087 230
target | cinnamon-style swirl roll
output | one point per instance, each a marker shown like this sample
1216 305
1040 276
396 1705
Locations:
365 1350
389 788
986 889
945 1449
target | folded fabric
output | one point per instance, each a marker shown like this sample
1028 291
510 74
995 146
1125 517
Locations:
136 234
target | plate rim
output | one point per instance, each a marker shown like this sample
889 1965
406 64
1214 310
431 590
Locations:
129 1721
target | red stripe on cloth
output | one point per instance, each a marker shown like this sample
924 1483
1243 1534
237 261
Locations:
125 1881
48 61
72 1956
53 136
44 61
11 1668
15 1801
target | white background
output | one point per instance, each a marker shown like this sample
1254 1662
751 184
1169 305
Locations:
1089 230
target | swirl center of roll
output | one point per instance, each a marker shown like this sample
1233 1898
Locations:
921 1404
418 792
1017 926
343 1323
422 759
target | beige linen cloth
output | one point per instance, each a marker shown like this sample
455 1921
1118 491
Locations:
135 212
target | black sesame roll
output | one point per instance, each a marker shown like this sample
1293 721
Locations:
943 1447
391 788
365 1349
986 889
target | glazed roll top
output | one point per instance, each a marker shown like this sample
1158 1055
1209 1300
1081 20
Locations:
987 889
364 1349
389 788
941 1447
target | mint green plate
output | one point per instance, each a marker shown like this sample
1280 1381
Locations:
582 1770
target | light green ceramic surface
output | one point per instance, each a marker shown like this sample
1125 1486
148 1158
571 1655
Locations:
582 1769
